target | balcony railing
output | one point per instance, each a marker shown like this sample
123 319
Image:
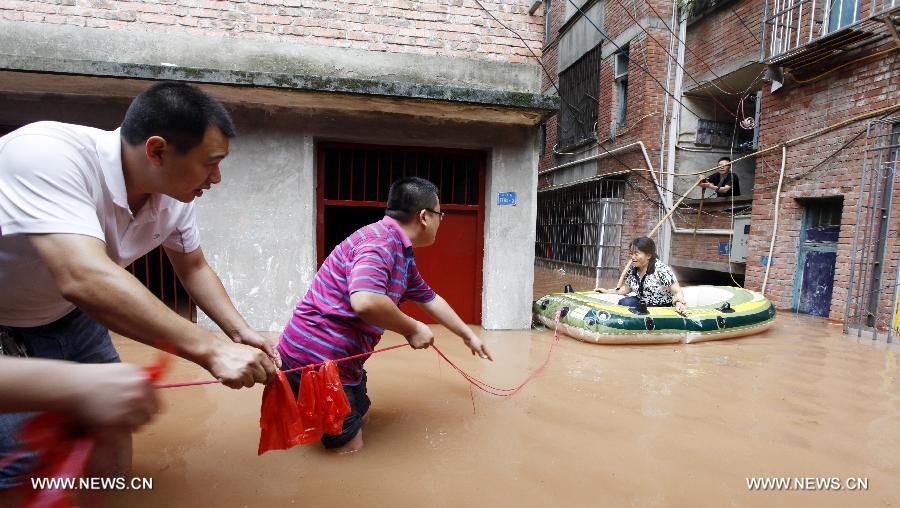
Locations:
789 25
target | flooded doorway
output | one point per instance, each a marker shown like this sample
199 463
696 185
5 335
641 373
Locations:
814 281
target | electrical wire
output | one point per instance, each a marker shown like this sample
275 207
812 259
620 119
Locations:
666 51
688 48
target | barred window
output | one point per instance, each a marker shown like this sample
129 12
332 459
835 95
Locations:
579 90
582 225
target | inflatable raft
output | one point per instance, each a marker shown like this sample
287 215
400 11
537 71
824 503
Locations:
712 313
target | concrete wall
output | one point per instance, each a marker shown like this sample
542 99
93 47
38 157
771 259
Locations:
510 234
268 197
140 45
258 225
581 37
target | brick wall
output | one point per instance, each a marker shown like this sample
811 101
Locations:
446 27
702 247
799 109
643 121
549 58
723 38
722 41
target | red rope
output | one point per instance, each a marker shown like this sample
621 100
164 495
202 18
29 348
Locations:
504 392
477 383
305 367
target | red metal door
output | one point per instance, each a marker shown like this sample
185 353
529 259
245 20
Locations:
353 181
452 267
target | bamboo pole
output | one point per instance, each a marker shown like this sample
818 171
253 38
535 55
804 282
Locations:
658 224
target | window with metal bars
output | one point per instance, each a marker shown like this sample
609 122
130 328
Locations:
581 224
156 273
579 92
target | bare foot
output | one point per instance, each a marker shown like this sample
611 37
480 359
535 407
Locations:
354 445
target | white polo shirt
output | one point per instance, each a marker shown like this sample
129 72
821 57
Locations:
63 178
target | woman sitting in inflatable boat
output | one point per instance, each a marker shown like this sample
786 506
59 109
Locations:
652 281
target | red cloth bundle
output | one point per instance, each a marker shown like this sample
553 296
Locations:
320 408
279 416
63 450
336 407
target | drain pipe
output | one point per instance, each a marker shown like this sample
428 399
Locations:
666 233
665 110
775 226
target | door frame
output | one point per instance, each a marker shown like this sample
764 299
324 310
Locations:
803 248
480 208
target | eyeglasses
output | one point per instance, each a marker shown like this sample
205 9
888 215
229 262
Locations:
439 214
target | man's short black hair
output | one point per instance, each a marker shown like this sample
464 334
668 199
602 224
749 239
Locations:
178 112
409 196
724 158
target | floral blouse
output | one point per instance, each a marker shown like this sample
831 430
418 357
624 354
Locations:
653 289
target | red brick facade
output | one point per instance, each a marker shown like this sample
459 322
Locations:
797 109
432 27
727 40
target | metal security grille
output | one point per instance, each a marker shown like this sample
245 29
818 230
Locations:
364 174
357 179
800 33
581 226
157 274
875 252
579 92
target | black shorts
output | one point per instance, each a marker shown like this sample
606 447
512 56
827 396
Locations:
359 406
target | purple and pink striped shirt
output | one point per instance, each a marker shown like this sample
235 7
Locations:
377 258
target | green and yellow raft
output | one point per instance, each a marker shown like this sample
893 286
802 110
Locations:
712 313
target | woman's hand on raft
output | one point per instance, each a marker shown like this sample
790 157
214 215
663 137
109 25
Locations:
679 307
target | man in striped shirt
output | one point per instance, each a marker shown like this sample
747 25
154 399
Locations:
355 297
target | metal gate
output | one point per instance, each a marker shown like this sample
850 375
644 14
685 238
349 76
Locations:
352 192
874 266
580 227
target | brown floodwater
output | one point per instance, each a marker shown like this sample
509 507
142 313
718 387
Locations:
673 425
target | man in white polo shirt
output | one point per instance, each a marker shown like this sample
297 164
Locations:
79 204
